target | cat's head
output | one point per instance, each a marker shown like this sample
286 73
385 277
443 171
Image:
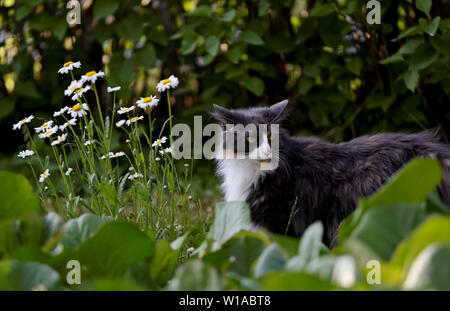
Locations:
252 133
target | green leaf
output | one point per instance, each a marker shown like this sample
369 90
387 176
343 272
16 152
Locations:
411 31
411 78
410 46
146 57
200 11
271 259
430 28
228 16
251 37
441 44
229 219
114 248
196 275
379 100
16 275
394 58
163 262
189 43
82 228
234 55
320 10
16 196
103 8
254 85
212 44
435 229
293 281
424 6
411 184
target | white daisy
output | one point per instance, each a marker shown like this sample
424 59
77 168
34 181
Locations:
44 126
118 154
165 151
60 112
79 93
25 153
69 66
120 123
123 110
59 140
159 142
69 171
19 124
92 76
70 122
78 110
49 132
170 83
72 87
108 155
134 120
157 159
113 89
44 176
135 175
148 102
88 142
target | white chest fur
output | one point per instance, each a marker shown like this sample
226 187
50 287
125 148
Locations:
238 176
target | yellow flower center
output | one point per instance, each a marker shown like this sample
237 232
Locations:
158 141
72 87
23 120
68 64
166 81
44 175
147 99
60 139
44 125
79 90
48 132
76 107
133 119
90 73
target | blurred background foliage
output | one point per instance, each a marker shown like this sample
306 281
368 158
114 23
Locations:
345 76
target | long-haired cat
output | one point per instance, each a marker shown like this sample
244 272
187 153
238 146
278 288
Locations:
315 179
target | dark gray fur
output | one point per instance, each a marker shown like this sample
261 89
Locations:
324 180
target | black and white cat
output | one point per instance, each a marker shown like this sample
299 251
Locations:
315 179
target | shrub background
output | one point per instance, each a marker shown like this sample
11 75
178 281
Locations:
346 77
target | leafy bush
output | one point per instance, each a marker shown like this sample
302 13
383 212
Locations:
409 235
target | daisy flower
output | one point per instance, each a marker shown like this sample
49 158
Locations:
70 122
60 112
108 155
118 154
78 110
120 123
92 76
44 126
135 175
69 66
170 83
69 171
44 176
123 110
147 102
79 93
159 142
113 89
72 87
134 120
88 142
165 151
25 153
59 140
19 124
49 132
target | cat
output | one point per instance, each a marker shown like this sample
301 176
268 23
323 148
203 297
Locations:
315 179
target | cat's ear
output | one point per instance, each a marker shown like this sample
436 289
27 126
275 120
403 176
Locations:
222 114
280 111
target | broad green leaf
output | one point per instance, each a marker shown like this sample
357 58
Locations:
410 46
430 28
229 219
112 284
196 275
411 31
293 281
163 262
394 58
16 275
431 269
234 55
114 248
424 6
251 37
212 45
441 44
411 79
228 16
435 229
271 259
383 227
102 8
80 229
200 11
16 196
254 85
